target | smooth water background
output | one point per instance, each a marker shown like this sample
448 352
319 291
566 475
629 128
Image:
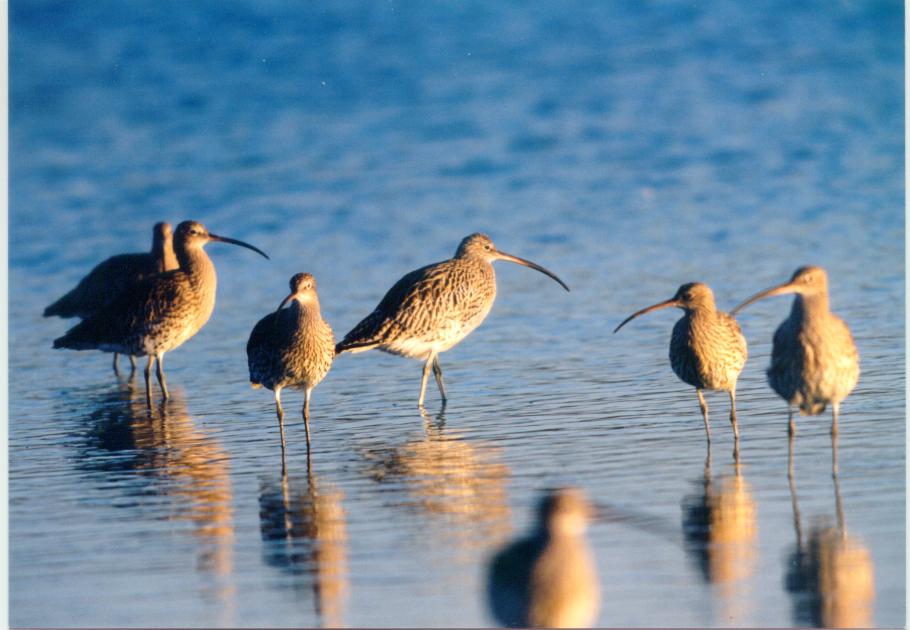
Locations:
628 146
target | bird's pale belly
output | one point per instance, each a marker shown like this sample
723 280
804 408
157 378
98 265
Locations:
434 342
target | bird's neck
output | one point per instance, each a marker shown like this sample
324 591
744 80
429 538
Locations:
163 254
703 310
197 265
810 306
306 310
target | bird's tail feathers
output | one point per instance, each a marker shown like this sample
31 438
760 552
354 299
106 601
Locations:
66 307
355 346
79 337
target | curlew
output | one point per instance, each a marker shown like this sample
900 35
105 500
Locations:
110 278
160 312
292 347
433 308
548 579
814 361
707 348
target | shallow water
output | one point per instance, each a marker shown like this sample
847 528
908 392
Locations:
627 147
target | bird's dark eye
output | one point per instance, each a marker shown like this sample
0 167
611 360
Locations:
487 247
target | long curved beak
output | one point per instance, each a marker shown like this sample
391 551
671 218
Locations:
527 263
234 241
660 305
285 301
781 289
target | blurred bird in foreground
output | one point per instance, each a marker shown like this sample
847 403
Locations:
548 579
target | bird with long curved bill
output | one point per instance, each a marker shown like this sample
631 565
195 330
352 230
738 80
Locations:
707 347
814 361
292 347
159 313
111 277
433 308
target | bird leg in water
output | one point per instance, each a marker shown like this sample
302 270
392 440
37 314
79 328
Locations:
132 365
423 380
159 372
437 372
733 414
116 367
704 412
306 418
835 411
280 424
148 382
791 427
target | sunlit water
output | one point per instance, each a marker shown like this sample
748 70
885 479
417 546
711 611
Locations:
627 147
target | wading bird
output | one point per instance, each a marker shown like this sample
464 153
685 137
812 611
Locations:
110 278
548 580
292 347
707 348
433 308
160 312
814 361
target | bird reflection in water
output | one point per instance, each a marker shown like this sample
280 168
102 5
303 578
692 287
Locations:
183 464
831 578
304 534
460 483
719 524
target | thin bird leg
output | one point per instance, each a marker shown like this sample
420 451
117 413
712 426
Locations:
791 427
733 414
280 427
835 411
116 360
839 506
148 381
160 373
704 412
791 478
306 418
437 372
423 380
132 365
834 444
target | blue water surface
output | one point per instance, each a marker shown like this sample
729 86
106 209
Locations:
628 146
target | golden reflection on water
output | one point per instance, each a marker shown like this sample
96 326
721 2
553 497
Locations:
461 484
831 577
198 472
304 534
190 469
720 529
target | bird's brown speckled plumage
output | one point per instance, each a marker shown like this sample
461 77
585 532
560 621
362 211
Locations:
433 308
548 580
707 347
292 347
814 361
110 278
160 312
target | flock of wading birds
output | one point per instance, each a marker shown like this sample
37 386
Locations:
147 304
